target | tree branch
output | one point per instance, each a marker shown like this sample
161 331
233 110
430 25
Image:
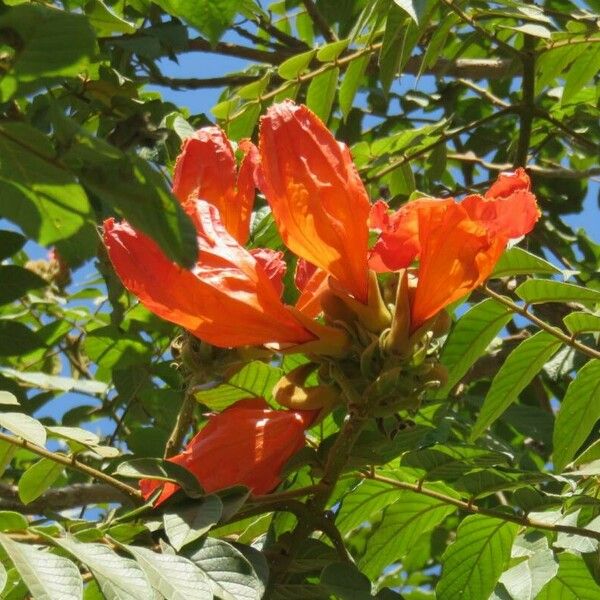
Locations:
70 496
182 424
71 462
481 30
320 22
550 173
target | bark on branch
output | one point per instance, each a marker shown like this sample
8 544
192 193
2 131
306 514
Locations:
70 496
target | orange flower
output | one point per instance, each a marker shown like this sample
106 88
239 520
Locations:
227 299
251 443
458 244
206 170
318 200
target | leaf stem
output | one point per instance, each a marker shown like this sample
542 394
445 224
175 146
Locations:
488 512
555 331
73 463
182 424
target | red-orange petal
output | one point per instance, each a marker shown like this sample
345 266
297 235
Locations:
457 254
206 170
509 182
318 200
247 444
510 217
227 299
399 242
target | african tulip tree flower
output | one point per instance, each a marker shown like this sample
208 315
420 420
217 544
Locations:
206 170
227 299
249 441
457 243
319 203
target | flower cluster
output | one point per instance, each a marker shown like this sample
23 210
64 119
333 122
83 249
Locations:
355 300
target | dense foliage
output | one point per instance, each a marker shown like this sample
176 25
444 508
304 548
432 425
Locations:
483 485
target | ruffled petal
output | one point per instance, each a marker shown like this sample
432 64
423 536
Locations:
247 444
510 217
227 299
206 170
399 242
509 182
318 200
273 265
457 254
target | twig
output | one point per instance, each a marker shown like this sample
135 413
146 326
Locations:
320 22
488 512
73 463
282 36
561 335
337 458
443 138
484 93
481 30
528 102
70 496
578 137
550 173
182 424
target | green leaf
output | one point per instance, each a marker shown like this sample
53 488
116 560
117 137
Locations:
330 52
346 582
351 82
12 521
209 17
535 291
55 382
10 243
16 281
119 578
110 348
104 21
8 399
582 322
294 66
16 339
76 434
517 261
7 452
409 7
24 426
129 185
402 524
175 577
449 462
393 46
162 470
46 575
472 565
321 93
231 575
469 338
572 582
368 498
255 379
572 541
579 411
186 524
41 55
525 580
38 478
517 371
36 190
584 68
243 124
